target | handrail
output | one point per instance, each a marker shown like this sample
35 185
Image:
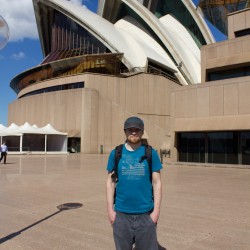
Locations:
19 149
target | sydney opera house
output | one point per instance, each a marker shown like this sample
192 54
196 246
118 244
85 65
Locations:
155 59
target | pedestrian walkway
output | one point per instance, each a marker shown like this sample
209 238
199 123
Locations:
58 202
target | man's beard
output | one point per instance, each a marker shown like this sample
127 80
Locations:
133 139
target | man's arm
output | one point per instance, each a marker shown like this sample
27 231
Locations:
156 182
110 198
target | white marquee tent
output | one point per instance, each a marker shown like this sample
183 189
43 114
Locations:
27 138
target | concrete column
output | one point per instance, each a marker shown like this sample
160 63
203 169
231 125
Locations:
89 123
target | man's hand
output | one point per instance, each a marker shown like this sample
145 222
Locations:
155 216
111 215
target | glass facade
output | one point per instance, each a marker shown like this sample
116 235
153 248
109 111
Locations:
103 64
69 39
75 85
225 147
216 11
192 147
245 147
228 73
242 33
222 147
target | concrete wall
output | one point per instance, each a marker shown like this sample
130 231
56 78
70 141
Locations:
57 108
227 54
216 105
237 22
224 55
97 112
212 100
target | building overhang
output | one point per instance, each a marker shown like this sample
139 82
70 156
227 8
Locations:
54 69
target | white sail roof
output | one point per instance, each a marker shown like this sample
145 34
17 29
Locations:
169 43
185 45
143 45
123 37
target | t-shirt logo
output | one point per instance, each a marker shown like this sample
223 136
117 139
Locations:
131 168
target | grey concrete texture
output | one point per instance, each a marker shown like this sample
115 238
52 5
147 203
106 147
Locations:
203 208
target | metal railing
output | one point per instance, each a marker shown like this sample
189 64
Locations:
19 150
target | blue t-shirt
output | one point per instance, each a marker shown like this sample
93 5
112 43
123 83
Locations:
134 188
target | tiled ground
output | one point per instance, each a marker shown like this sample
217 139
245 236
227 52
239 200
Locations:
203 208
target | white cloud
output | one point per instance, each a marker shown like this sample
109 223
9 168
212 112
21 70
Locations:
19 14
18 56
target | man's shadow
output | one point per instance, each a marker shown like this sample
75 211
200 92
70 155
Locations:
66 206
159 247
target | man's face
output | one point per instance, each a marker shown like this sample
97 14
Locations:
133 135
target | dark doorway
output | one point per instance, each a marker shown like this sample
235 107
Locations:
74 144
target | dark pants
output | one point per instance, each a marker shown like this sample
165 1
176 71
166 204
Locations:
136 229
3 156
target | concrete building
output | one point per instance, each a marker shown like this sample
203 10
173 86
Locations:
212 122
143 58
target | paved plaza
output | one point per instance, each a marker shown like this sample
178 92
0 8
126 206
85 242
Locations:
58 202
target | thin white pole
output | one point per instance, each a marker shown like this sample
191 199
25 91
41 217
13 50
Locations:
21 144
45 143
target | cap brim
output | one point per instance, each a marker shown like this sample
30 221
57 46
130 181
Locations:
133 126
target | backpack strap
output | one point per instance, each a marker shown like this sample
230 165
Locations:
118 155
148 156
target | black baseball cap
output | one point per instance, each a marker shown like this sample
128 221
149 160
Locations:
134 122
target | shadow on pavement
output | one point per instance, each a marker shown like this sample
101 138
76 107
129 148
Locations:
159 247
62 207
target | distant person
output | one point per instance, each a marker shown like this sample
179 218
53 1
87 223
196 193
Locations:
134 190
4 151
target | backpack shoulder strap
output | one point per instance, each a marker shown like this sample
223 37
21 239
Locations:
118 155
148 156
148 153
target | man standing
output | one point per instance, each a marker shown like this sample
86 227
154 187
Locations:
4 150
135 210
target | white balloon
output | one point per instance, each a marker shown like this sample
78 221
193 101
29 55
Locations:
4 32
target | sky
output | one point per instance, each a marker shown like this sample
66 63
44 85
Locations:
23 50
